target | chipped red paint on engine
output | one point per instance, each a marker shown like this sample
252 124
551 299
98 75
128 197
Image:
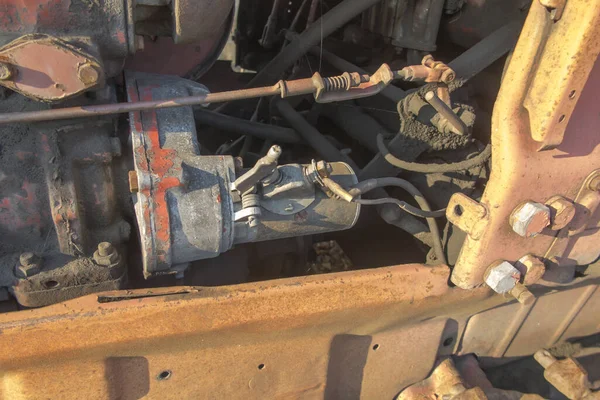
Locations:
157 163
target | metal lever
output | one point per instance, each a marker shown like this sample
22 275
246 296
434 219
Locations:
458 126
263 168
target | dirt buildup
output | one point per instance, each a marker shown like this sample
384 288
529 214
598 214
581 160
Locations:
414 109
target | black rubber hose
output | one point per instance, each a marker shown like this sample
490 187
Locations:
370 184
331 21
323 27
433 168
486 51
311 135
245 127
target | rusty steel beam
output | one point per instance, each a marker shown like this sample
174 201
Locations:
367 333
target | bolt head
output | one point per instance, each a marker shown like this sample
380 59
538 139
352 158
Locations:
29 264
274 151
562 212
106 255
428 58
5 72
323 168
502 277
530 218
28 258
105 249
595 183
88 74
448 76
531 267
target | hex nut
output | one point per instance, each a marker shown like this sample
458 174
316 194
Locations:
562 212
448 76
88 74
323 168
529 219
595 183
29 265
5 72
501 277
531 267
106 255
522 294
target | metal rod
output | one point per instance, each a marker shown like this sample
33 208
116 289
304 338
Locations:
119 108
445 111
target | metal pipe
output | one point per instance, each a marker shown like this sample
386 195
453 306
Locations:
311 135
445 111
245 127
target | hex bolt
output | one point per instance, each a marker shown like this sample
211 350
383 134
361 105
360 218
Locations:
106 255
562 212
5 72
274 153
529 219
323 169
105 249
253 222
531 267
501 277
594 183
522 294
448 76
30 264
27 258
88 74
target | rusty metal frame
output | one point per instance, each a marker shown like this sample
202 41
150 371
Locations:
366 333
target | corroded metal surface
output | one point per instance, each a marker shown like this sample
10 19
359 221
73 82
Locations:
312 335
520 172
366 334
48 69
